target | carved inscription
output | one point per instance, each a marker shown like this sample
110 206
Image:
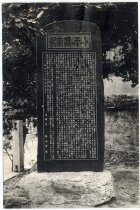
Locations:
69 95
69 41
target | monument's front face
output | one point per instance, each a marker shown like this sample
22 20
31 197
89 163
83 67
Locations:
70 98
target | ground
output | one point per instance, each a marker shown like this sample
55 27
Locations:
124 168
126 180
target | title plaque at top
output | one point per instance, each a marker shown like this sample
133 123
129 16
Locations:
69 41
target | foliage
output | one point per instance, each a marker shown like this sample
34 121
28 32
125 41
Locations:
22 22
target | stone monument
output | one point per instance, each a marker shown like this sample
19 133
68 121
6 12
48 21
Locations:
70 98
70 119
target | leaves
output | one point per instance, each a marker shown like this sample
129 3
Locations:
22 22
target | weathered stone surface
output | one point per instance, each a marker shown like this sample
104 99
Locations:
15 202
16 197
62 188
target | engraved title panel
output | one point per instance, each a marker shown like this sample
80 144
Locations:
69 41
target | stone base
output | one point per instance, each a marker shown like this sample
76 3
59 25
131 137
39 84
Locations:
85 189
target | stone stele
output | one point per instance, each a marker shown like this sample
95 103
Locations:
85 189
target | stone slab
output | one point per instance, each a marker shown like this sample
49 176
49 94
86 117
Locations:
69 188
70 98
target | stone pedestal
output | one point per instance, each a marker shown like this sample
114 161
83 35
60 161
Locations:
85 189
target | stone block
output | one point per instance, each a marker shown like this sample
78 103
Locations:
85 188
15 202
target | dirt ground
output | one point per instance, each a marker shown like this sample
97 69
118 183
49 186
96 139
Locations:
126 181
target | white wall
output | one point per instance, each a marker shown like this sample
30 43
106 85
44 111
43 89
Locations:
116 86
